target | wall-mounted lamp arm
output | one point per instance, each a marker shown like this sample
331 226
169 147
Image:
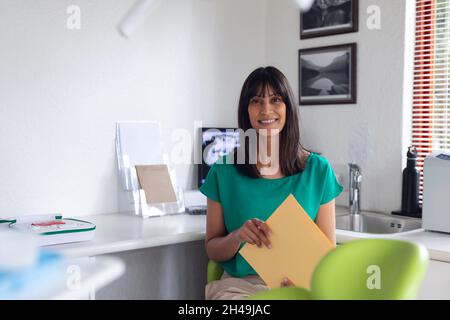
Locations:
143 8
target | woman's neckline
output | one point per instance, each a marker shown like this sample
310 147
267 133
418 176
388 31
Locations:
285 177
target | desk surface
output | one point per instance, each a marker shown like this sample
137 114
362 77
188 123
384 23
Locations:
122 232
72 279
94 275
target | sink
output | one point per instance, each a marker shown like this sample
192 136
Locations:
377 223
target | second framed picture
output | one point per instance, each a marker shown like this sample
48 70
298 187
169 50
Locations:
329 17
327 75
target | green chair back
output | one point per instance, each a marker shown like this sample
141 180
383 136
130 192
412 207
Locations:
379 269
370 269
215 271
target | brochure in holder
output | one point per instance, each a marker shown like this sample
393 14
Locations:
147 184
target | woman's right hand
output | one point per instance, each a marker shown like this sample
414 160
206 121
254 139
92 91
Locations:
256 232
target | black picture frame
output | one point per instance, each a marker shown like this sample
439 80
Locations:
327 75
321 22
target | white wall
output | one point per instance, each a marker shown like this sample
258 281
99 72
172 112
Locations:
62 91
369 132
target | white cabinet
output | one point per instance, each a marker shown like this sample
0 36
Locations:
436 284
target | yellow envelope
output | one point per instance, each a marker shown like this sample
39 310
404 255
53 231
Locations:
297 246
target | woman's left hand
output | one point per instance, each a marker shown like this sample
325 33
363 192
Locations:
287 283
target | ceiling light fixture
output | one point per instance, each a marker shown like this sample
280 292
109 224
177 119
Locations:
136 16
305 5
144 8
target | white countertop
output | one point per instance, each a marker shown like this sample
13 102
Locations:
95 273
438 244
77 278
122 232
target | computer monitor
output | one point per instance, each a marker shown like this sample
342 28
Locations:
216 142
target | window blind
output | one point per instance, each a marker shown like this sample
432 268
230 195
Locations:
431 89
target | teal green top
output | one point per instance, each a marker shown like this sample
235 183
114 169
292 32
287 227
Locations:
243 198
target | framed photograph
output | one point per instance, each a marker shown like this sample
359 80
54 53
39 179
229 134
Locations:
329 17
327 75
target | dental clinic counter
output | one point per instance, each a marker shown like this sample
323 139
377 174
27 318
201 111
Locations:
155 246
123 232
165 257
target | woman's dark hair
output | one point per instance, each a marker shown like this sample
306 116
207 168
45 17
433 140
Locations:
292 155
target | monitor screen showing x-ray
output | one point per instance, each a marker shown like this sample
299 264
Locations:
216 142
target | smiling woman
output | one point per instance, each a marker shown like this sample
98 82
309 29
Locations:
241 196
267 105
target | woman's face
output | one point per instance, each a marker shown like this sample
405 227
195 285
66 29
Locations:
267 111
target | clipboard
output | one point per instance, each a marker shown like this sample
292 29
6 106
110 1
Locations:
298 245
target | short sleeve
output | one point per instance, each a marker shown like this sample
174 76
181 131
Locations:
332 188
210 187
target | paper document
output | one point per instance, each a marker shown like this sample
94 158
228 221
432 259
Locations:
156 182
297 246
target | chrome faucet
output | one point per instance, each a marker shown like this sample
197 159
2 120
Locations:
354 189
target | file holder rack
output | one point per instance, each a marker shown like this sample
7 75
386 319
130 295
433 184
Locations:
132 198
